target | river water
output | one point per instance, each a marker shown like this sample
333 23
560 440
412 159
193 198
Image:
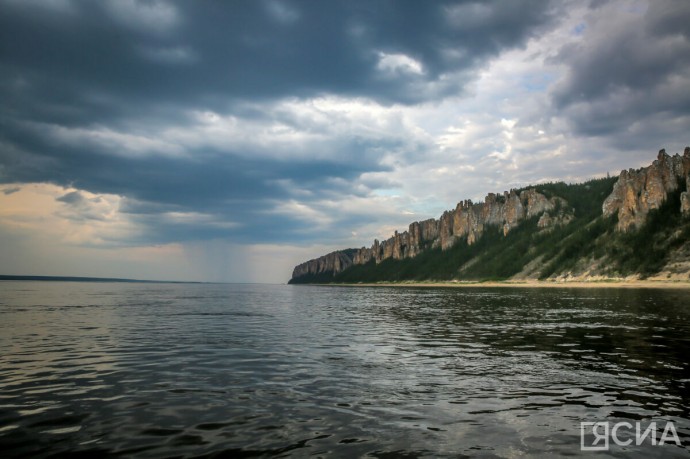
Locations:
211 370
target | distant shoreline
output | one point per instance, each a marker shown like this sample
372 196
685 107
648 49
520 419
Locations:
6 277
684 285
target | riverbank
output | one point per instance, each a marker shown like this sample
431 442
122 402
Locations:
623 283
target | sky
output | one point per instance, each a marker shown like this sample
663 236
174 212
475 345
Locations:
231 140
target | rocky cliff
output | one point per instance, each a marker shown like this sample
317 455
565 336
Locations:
572 230
638 191
331 263
502 212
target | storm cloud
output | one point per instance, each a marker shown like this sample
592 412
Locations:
633 68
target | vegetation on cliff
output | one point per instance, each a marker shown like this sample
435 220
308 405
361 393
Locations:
579 233
494 256
650 248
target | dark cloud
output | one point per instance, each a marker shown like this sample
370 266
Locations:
631 67
73 197
11 190
101 62
132 67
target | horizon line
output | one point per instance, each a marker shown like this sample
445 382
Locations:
31 277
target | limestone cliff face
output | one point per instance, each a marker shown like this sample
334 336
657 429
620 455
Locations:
553 219
638 191
421 232
332 263
468 220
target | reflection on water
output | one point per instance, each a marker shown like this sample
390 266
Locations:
159 370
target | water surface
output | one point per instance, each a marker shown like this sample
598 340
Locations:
194 370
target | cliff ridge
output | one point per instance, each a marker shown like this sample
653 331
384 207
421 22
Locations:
550 229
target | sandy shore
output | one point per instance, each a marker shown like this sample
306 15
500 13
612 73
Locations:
534 284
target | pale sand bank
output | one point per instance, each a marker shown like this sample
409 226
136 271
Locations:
533 284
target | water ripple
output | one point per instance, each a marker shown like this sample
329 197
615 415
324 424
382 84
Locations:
240 371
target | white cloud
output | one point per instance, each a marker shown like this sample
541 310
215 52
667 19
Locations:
323 128
301 211
399 64
119 143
